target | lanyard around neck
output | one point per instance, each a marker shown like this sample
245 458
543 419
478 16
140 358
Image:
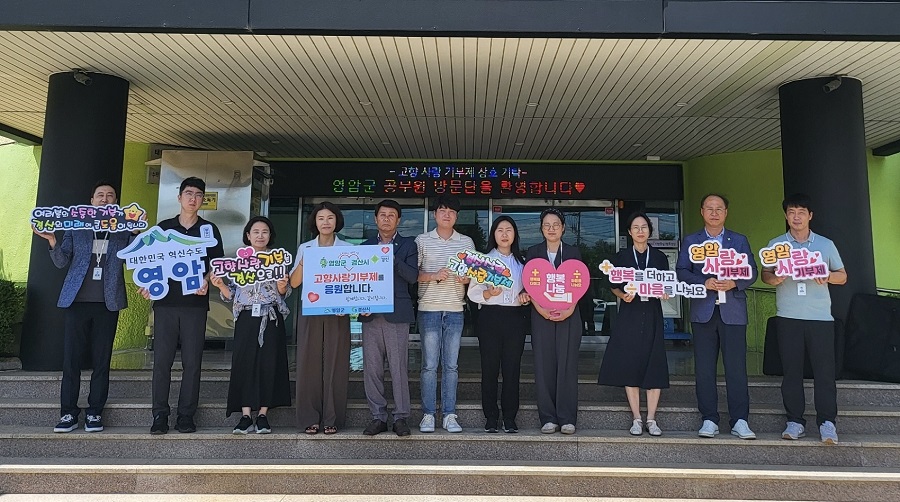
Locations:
646 261
99 255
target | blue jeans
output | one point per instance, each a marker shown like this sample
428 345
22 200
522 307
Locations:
440 332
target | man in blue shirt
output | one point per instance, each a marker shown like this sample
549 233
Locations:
804 324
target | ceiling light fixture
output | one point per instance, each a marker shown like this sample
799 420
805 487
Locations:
681 104
653 157
520 143
637 145
366 103
532 104
276 142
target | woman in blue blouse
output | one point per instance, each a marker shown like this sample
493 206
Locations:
259 365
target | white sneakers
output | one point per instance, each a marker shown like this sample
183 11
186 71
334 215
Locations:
793 431
549 428
427 424
568 429
742 430
451 424
708 430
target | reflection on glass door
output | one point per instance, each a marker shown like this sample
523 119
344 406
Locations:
590 225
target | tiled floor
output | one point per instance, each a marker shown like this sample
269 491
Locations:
681 359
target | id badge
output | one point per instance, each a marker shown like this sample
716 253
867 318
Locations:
257 310
507 296
98 273
801 289
645 298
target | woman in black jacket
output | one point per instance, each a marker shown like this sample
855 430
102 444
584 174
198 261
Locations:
555 337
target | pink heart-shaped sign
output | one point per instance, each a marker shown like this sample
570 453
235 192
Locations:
313 297
245 253
385 250
556 288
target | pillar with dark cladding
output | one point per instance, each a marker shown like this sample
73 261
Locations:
824 155
84 141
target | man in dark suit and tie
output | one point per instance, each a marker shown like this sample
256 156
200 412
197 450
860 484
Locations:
387 335
719 321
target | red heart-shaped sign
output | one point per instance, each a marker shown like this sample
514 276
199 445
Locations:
556 288
461 256
385 250
313 297
579 186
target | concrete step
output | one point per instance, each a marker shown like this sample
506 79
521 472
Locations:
595 446
181 497
592 415
214 384
533 479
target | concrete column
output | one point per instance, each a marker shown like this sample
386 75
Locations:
84 141
824 154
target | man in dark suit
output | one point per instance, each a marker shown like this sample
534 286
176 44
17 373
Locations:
387 335
719 321
92 295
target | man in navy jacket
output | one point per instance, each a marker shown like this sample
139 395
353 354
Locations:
92 295
387 335
719 324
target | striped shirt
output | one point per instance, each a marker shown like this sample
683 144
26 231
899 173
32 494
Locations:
434 253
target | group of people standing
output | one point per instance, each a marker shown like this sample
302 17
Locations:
635 358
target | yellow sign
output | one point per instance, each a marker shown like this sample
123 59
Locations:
210 201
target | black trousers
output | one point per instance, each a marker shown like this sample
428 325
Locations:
797 337
709 338
171 324
91 328
555 346
501 342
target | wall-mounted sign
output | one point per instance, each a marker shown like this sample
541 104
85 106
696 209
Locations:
543 181
210 201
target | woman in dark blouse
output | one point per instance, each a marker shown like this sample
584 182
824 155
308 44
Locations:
636 354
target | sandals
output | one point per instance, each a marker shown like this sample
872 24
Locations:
312 429
330 429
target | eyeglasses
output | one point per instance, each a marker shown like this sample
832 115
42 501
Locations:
714 210
552 226
642 228
192 195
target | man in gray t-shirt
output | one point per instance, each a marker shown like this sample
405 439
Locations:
805 325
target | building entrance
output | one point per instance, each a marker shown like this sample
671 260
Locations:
590 225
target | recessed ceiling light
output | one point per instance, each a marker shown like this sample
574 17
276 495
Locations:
366 103
520 144
227 102
276 142
681 104
385 143
653 157
532 104
636 145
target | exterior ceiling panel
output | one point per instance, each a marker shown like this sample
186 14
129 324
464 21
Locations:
448 97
